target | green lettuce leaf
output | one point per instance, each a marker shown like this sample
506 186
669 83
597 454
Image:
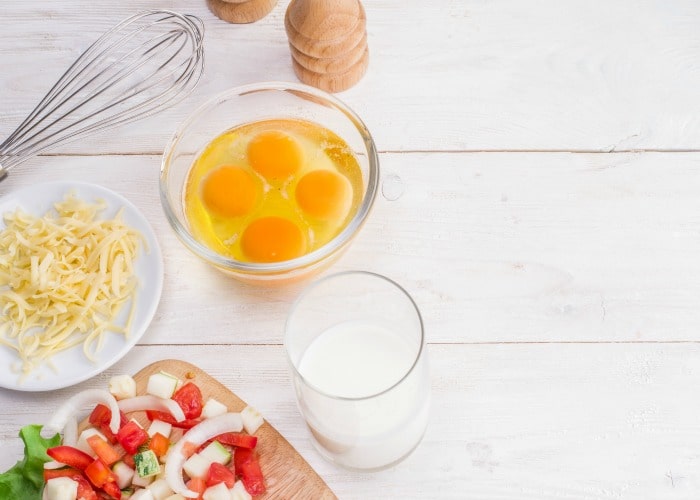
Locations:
25 479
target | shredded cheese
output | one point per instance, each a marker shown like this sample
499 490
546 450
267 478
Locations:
64 278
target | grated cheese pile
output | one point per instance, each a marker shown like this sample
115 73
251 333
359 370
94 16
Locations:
64 278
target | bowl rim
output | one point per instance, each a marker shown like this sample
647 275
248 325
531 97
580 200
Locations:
337 243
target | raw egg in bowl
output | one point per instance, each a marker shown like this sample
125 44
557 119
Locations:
269 182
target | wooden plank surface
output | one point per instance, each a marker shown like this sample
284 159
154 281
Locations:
446 75
507 247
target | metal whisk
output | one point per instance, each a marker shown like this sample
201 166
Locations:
138 68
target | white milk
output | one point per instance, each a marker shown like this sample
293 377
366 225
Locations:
358 360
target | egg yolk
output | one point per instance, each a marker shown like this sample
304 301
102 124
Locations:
324 194
229 191
274 155
272 239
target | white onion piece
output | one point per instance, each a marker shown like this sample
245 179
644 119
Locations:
76 403
70 432
228 422
142 403
53 465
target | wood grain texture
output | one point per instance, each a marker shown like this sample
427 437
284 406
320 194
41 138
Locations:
494 248
530 422
241 12
454 75
287 474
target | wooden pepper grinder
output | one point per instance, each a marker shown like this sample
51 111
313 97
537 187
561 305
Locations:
328 41
241 11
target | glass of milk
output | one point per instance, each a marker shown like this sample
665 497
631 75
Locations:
356 346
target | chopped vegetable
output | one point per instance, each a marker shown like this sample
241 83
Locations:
252 419
99 474
79 401
247 465
160 427
131 436
238 492
237 439
101 418
189 397
124 473
159 445
140 403
212 408
160 489
196 466
106 452
122 386
70 456
146 463
161 385
217 492
188 423
214 452
61 488
220 474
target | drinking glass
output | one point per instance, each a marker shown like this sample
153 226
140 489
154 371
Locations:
356 346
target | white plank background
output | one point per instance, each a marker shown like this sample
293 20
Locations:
541 171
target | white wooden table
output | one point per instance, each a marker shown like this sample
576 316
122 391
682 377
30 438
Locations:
547 157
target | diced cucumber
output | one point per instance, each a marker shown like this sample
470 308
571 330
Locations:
238 492
217 492
82 443
160 427
146 463
122 387
215 452
162 385
124 473
160 489
212 408
196 466
61 488
252 419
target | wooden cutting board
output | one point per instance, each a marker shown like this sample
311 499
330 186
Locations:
287 474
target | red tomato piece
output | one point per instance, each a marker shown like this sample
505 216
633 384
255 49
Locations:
85 491
101 417
129 460
105 451
248 466
98 473
131 436
237 439
159 444
220 474
112 489
167 417
64 472
189 397
70 456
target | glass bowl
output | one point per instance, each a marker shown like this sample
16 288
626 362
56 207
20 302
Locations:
250 103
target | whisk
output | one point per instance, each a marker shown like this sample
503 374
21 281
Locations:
138 68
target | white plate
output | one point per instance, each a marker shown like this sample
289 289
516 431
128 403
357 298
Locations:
71 366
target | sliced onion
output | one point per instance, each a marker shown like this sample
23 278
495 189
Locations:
70 432
88 397
142 403
53 465
228 422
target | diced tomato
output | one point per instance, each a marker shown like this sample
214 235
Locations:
131 436
105 451
237 439
85 491
64 472
159 444
112 489
189 397
101 417
220 474
189 449
167 417
247 465
129 460
198 485
70 456
98 473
